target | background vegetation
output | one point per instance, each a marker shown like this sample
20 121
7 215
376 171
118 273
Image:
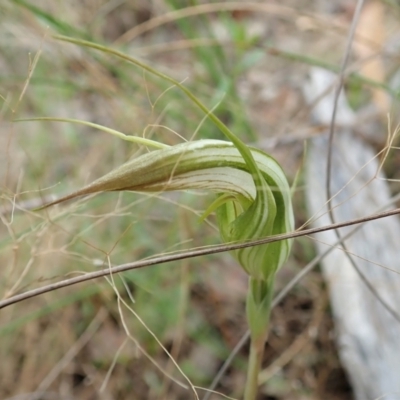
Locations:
247 62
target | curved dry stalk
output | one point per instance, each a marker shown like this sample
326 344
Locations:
338 90
204 9
288 13
202 251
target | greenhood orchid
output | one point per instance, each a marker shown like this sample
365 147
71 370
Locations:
244 210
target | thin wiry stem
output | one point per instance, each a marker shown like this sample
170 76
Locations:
336 99
202 251
339 87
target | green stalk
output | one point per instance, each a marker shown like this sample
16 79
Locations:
254 366
258 312
120 135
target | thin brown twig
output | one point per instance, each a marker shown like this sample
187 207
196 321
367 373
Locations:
336 99
339 87
172 16
202 251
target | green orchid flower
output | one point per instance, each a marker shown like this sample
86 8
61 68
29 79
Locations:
244 211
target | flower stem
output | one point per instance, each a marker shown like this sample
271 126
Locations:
255 359
258 309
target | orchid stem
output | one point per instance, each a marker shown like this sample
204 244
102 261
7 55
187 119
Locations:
254 366
258 314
